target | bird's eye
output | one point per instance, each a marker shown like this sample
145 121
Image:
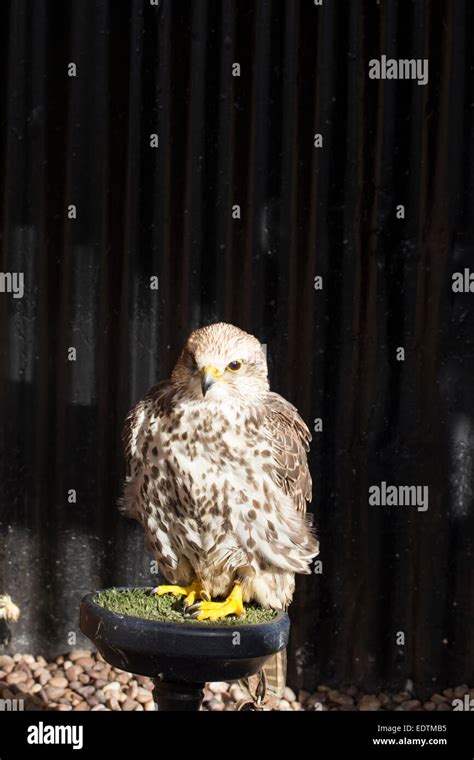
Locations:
234 366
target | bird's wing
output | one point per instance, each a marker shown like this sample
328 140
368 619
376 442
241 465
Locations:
289 439
156 402
130 435
136 435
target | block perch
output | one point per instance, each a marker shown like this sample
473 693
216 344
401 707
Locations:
182 657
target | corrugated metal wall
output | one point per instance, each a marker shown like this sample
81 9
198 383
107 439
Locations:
305 211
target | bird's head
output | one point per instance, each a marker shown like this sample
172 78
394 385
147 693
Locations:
220 362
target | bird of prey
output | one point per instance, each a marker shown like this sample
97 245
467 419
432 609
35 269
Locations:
217 474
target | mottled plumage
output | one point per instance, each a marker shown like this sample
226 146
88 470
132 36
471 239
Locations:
217 472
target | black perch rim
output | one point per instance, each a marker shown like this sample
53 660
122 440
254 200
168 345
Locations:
181 651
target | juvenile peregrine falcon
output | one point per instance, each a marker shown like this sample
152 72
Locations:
217 475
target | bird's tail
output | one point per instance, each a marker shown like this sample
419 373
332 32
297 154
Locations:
264 690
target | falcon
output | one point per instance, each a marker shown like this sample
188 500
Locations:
217 474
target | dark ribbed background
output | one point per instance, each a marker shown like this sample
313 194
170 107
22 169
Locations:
304 212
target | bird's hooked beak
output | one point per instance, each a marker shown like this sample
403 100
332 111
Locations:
209 375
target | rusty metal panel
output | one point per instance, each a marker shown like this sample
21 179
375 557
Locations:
305 211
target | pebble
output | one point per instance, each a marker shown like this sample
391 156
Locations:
129 705
87 691
411 704
236 692
438 699
82 680
77 653
59 682
144 696
81 706
402 696
368 703
85 662
289 695
218 687
73 673
54 694
340 699
16 677
112 686
43 696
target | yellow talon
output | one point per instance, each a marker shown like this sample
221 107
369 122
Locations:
189 592
233 605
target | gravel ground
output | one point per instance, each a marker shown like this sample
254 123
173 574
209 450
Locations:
82 680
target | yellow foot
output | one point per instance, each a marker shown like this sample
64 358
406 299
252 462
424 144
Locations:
189 592
233 605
